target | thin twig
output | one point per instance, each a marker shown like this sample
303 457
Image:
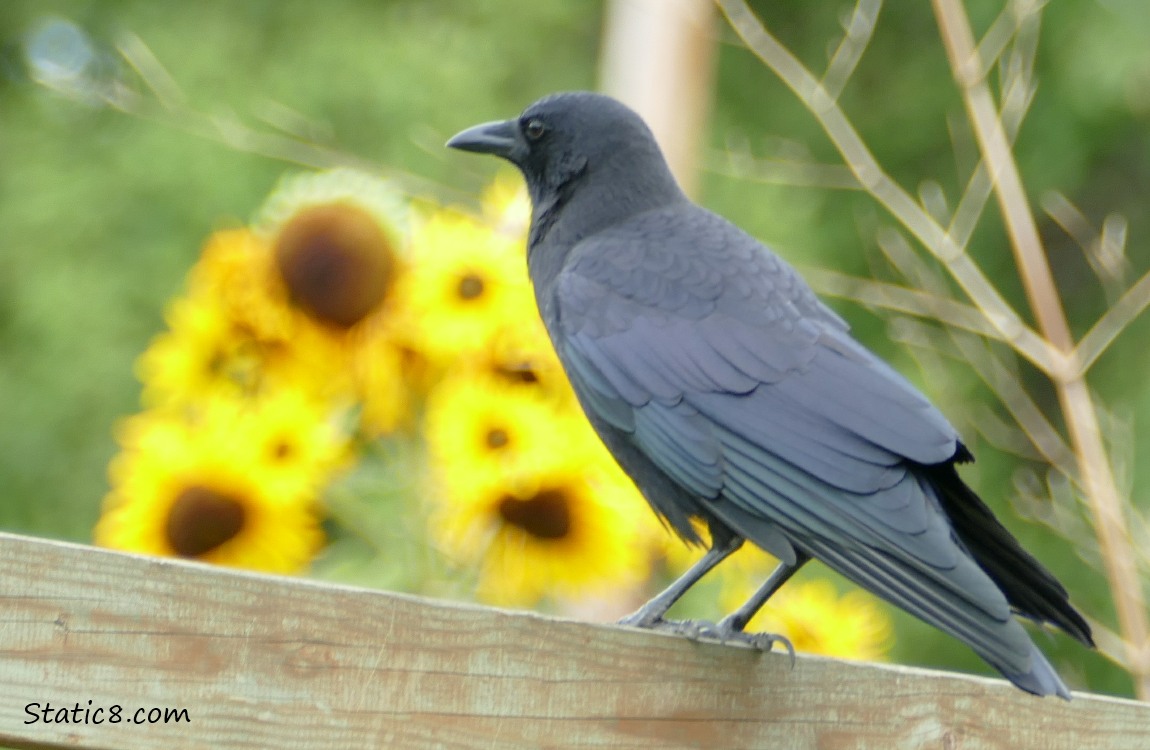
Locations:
1005 385
166 103
744 166
858 31
1030 255
897 298
1113 322
1004 435
1017 97
1106 253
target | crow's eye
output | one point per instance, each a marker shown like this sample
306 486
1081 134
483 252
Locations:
534 128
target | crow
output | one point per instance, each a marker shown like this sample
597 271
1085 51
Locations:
730 394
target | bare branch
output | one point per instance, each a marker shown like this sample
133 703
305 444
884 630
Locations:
1017 97
1119 315
742 165
933 199
1004 435
901 299
1003 31
1105 251
1111 248
859 29
1031 257
164 102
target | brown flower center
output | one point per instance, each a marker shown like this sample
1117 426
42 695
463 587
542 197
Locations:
546 515
470 286
520 372
282 449
202 519
496 438
336 261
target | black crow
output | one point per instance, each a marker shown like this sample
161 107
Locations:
729 393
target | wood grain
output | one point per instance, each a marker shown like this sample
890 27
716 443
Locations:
267 662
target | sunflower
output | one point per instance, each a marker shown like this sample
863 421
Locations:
184 489
522 356
559 530
467 282
257 332
479 424
298 441
338 241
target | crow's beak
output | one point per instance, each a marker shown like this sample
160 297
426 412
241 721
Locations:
500 138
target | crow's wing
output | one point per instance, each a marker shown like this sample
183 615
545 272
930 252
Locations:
722 367
679 307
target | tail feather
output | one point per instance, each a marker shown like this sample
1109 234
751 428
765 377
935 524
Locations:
1031 589
1040 680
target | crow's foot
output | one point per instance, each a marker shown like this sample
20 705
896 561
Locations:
697 630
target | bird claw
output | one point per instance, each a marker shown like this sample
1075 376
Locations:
697 630
693 629
766 642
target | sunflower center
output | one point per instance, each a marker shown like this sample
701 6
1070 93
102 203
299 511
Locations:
337 263
470 286
521 372
546 515
282 449
496 438
202 519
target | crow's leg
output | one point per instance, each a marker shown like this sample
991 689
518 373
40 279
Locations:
737 620
650 615
731 627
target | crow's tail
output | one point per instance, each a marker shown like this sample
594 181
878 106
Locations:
1030 588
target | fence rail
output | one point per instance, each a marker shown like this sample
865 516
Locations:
264 662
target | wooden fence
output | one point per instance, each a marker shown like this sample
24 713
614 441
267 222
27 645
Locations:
238 660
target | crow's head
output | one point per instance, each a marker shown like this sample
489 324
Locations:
574 139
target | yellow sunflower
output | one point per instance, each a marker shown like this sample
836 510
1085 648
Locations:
560 530
188 490
522 356
476 423
299 441
338 243
467 281
338 247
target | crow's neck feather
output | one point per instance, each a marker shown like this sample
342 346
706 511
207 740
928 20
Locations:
588 202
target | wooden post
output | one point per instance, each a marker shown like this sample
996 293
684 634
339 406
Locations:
658 58
257 661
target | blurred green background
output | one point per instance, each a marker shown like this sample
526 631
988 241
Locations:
102 213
